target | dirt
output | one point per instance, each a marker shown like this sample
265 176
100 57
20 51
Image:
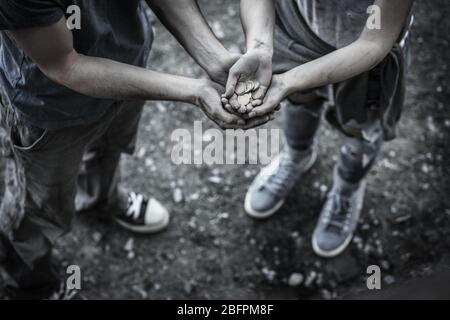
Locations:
213 251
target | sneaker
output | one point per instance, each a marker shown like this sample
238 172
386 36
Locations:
142 215
268 191
339 218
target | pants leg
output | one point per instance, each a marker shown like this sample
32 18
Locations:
358 155
99 176
38 204
301 122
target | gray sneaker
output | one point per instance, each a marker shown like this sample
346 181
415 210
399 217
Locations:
268 191
339 218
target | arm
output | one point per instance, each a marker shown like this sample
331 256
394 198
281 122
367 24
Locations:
258 21
362 55
51 48
186 22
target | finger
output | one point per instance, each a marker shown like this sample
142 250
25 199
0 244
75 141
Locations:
228 118
256 103
231 83
229 108
267 107
256 122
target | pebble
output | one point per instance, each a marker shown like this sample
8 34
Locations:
295 279
129 245
215 180
268 274
177 195
310 279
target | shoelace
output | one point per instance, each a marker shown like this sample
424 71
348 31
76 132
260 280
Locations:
134 205
278 183
338 214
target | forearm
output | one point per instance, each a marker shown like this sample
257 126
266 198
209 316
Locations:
369 50
258 21
107 79
187 23
335 67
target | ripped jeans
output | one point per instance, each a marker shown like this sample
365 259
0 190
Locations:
358 153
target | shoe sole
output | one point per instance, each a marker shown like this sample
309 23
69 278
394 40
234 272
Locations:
334 253
267 214
145 229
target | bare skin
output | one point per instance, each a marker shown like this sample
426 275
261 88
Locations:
360 56
51 48
187 23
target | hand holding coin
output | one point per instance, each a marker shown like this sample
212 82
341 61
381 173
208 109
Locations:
247 95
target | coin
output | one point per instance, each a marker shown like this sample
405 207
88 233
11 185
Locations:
234 102
244 99
258 94
249 85
242 109
240 88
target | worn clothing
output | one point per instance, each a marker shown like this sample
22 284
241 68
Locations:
379 91
114 29
357 155
337 22
52 173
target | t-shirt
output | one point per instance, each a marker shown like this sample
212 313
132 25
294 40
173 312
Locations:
113 29
337 22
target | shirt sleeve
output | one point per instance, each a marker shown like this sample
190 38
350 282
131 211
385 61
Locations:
21 14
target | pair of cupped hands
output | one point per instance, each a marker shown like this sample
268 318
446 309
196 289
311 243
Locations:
242 92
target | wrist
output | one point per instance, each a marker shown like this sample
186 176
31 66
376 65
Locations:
261 47
293 81
196 91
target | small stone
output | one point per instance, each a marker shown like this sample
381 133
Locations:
269 274
295 279
129 245
97 236
177 195
215 180
310 279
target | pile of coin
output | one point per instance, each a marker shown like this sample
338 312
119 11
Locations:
247 95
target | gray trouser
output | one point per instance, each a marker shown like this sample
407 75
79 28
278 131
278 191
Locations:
49 176
357 154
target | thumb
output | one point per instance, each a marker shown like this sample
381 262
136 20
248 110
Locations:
231 83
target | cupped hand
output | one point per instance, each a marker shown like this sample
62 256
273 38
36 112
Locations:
256 66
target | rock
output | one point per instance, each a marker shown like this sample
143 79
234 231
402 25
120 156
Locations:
310 279
215 180
268 274
295 279
177 195
97 236
129 245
